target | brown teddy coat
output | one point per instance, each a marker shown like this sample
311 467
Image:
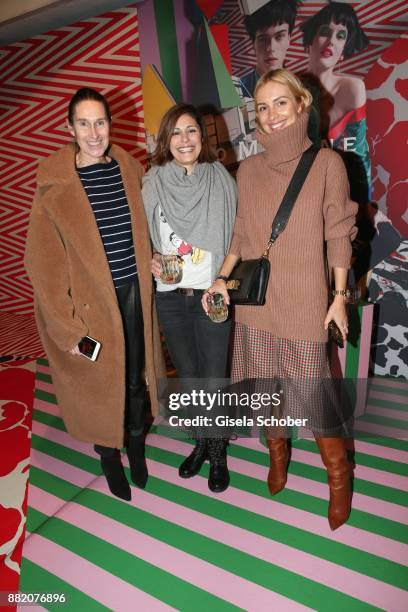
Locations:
75 296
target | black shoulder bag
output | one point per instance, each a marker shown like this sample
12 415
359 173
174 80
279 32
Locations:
249 279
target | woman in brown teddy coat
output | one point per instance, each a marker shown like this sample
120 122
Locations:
88 257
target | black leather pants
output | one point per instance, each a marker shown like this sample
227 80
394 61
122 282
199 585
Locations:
136 402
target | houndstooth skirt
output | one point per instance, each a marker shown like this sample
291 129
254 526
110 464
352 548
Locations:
299 370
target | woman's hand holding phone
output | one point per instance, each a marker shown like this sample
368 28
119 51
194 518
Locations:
337 313
87 347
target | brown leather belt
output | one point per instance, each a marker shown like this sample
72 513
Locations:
188 291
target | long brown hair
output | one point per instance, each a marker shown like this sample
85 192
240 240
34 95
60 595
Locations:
162 153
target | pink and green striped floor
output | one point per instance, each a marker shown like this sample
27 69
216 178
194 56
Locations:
176 546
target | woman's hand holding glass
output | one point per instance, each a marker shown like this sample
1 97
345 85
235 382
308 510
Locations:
167 268
155 265
218 286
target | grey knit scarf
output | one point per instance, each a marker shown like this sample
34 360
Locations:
200 208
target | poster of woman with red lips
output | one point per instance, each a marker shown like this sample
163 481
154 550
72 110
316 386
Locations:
331 36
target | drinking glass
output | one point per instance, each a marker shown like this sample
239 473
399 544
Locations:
171 269
218 309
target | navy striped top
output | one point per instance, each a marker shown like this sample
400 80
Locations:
104 187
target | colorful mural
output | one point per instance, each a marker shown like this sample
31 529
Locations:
16 403
344 52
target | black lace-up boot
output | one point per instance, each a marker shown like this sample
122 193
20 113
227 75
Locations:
192 465
218 479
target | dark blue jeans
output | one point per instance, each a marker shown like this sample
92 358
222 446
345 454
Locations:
198 347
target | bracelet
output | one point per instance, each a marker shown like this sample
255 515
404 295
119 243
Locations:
221 277
344 292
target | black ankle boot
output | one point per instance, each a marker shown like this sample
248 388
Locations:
192 465
115 476
137 462
218 479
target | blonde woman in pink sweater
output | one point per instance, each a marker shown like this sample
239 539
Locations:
287 337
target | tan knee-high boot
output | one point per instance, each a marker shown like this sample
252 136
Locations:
279 457
334 456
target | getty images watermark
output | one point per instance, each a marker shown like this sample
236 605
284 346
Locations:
222 399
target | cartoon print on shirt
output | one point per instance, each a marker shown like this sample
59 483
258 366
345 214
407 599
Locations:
182 247
197 256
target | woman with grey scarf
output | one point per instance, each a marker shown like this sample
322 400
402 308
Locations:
190 202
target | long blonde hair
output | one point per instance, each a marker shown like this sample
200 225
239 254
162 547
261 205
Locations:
292 82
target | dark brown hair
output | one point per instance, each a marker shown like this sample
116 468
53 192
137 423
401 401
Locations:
86 93
162 153
273 13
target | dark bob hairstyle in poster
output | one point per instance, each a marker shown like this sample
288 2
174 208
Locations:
340 13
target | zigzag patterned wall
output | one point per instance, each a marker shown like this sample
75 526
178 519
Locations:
38 76
382 20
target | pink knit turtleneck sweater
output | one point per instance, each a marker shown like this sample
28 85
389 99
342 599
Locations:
318 233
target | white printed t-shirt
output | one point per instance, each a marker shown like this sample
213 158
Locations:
197 262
